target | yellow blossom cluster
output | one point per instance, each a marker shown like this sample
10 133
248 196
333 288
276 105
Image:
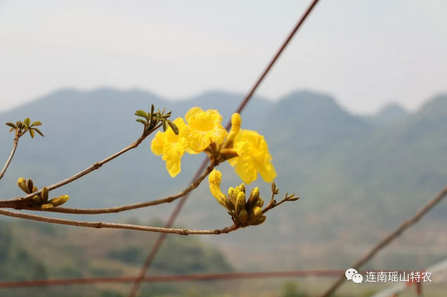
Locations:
201 130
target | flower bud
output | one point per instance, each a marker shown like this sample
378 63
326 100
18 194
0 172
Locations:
259 221
21 182
242 188
30 185
59 200
240 202
44 194
231 195
243 216
254 196
260 202
254 215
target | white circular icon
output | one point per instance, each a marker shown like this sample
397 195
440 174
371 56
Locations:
349 273
357 278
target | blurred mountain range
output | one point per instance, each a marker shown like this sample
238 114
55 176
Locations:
376 169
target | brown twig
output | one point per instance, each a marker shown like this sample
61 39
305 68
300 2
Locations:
387 240
24 201
151 256
14 148
114 225
116 209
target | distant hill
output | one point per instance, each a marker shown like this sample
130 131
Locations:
347 168
388 115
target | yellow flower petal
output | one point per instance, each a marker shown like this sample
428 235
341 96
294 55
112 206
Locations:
253 157
171 146
214 181
203 128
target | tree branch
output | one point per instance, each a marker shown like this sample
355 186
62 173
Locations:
14 148
387 240
115 225
116 209
24 201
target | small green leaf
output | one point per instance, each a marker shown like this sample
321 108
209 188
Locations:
141 121
38 131
36 123
165 126
173 127
10 124
141 113
31 132
12 129
27 122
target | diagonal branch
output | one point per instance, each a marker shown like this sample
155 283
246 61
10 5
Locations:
14 148
116 209
24 201
387 240
115 225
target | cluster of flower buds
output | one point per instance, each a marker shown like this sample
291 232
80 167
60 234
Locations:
41 199
243 211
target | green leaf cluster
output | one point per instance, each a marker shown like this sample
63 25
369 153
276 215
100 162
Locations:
25 126
152 119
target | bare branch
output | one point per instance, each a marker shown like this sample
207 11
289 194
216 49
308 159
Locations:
116 209
115 225
24 203
14 148
387 240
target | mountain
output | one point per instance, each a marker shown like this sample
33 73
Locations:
347 168
388 115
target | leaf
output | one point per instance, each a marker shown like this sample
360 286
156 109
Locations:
165 126
173 127
27 122
141 113
152 108
38 131
141 121
31 132
36 123
12 129
10 124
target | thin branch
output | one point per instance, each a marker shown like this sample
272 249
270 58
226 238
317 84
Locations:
24 203
387 240
14 148
115 225
116 209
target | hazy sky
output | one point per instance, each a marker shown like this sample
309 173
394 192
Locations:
365 52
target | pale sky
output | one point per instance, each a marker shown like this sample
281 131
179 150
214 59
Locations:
364 52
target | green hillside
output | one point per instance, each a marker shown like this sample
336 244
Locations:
30 250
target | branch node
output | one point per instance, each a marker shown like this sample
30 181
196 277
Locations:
97 165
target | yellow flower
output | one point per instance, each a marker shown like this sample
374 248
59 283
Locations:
214 180
171 146
236 122
253 157
204 128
